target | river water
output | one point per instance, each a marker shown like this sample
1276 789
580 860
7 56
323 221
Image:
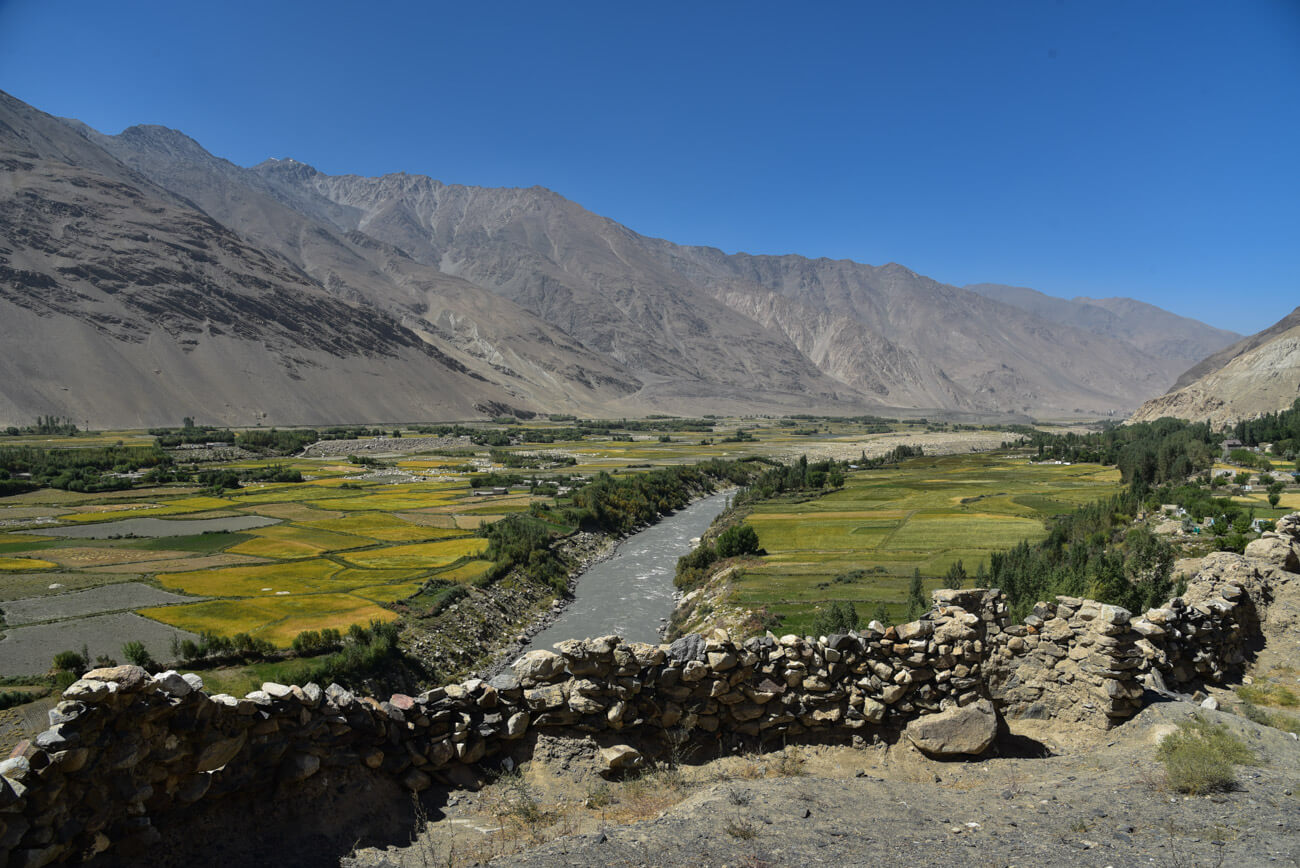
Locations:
630 592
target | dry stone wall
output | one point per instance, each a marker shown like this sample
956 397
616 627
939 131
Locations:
128 753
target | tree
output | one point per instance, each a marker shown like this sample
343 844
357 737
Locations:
739 539
1273 498
841 617
881 613
135 652
916 602
956 575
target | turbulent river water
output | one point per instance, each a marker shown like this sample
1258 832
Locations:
632 592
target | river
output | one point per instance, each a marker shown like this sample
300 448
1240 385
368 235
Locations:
629 593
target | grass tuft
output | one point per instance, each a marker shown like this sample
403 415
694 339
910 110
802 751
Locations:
1201 757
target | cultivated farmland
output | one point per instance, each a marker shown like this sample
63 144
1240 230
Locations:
863 543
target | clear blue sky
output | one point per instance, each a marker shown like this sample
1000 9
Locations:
1082 147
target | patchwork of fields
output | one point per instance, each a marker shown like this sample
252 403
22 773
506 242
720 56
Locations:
338 549
335 549
884 525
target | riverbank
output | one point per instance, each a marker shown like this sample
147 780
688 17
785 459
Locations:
483 633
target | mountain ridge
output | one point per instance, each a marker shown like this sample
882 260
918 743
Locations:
518 297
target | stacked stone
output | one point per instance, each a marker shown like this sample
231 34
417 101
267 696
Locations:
1074 660
125 750
767 686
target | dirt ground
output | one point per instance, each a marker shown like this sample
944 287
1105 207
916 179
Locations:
1045 795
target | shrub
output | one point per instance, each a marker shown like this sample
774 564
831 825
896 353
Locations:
739 539
69 661
135 652
1200 757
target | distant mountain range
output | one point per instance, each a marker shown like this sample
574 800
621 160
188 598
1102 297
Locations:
142 279
1259 374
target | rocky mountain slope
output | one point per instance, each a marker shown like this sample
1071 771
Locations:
1164 335
122 303
143 279
753 322
1259 374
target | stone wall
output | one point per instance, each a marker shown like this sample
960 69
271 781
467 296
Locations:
128 753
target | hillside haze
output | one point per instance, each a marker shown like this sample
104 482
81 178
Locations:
142 279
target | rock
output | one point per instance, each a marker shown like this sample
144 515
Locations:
690 647
172 683
416 781
1210 703
517 724
16 768
721 661
914 630
538 666
505 682
276 691
968 730
218 753
196 683
1275 551
87 691
299 767
127 678
620 757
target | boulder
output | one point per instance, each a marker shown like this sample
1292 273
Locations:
299 767
128 678
964 731
1275 551
687 648
172 683
537 667
620 757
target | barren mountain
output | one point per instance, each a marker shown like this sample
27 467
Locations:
991 355
1157 332
756 323
1259 374
122 303
144 279
539 364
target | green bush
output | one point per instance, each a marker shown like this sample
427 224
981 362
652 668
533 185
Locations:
739 539
135 652
1201 757
69 661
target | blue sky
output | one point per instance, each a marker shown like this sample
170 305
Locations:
1148 149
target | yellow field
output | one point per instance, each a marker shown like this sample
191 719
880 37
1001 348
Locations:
421 555
380 526
18 564
390 500
466 572
389 593
290 541
262 580
276 619
175 507
290 511
83 557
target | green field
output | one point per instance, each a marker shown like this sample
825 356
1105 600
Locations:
924 515
350 541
